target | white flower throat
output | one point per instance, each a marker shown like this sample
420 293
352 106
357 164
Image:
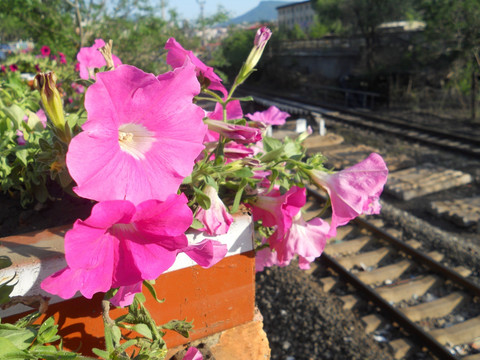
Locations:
135 139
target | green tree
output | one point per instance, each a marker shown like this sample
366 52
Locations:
361 17
453 33
45 22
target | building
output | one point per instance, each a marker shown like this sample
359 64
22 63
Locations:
300 13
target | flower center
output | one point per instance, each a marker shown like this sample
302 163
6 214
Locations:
124 228
135 139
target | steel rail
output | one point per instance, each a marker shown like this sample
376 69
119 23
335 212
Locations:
421 258
422 337
439 136
413 329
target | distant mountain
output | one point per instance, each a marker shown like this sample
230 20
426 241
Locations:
266 10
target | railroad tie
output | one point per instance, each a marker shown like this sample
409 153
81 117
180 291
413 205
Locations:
462 333
418 287
437 308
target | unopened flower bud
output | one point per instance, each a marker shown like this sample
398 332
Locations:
261 38
45 83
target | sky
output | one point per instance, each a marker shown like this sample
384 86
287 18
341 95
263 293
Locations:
190 9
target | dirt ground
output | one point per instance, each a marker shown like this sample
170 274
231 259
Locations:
303 322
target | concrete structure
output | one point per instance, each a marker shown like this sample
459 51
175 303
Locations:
300 13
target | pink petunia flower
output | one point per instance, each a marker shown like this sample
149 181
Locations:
63 59
353 191
234 111
234 151
277 210
265 258
79 89
216 219
3 68
20 139
90 58
271 116
176 58
121 244
42 116
13 67
239 133
305 239
45 51
142 134
193 354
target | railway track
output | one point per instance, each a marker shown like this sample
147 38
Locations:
467 145
407 292
425 187
435 308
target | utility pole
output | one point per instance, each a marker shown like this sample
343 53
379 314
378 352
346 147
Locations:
201 3
162 6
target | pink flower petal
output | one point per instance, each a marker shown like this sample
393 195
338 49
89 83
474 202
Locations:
125 294
65 283
193 354
143 136
271 116
277 210
355 190
265 258
110 250
171 217
206 253
90 58
176 57
306 239
216 219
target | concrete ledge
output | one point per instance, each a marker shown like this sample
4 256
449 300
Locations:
216 299
245 342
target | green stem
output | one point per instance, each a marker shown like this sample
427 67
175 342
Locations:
211 93
151 324
107 323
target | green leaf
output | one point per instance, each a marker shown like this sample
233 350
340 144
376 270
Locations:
50 352
20 338
270 143
44 145
5 262
246 172
238 196
9 351
47 332
144 330
27 320
14 113
101 353
116 334
5 291
151 289
202 199
140 297
197 224
183 327
22 156
210 181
